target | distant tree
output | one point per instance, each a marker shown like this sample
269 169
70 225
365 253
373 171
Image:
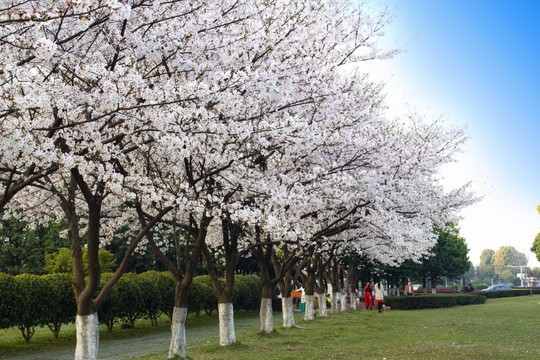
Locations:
508 256
507 276
449 257
471 274
536 246
23 247
60 262
486 257
486 270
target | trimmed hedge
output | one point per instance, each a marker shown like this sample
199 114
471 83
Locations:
432 301
507 293
28 301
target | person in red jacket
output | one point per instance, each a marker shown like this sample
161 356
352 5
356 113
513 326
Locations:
368 297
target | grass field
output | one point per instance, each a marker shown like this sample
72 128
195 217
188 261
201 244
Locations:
507 328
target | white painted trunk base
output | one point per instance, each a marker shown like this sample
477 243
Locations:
178 333
343 302
309 315
334 309
322 306
226 324
267 316
87 329
288 312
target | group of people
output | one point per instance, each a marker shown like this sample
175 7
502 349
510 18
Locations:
373 294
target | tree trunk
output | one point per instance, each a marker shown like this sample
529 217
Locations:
343 301
264 256
226 324
87 328
309 291
288 312
178 330
309 315
267 316
224 293
335 297
323 312
285 286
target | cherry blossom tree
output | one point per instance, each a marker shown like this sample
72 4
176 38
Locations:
245 112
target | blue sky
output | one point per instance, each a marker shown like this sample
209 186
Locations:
476 64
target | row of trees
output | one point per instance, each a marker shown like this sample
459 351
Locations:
221 129
499 265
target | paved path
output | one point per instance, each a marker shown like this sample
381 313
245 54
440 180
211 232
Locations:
149 344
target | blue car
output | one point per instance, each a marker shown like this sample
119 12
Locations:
498 287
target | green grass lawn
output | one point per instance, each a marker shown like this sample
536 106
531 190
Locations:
12 342
507 328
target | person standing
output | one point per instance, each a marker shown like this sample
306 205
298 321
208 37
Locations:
368 297
379 295
409 291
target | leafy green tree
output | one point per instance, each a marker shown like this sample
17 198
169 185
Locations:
23 247
508 276
449 257
60 262
508 256
486 257
486 270
471 275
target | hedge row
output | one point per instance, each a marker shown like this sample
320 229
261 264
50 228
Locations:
432 301
28 301
506 293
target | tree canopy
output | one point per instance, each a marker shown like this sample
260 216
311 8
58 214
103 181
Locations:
536 246
449 256
508 256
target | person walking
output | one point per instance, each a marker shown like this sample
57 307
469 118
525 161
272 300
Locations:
379 295
368 297
409 291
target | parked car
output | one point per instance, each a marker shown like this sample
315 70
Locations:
498 287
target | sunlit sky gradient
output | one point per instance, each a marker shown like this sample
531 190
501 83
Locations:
476 64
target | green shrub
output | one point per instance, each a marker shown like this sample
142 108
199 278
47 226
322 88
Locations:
31 292
151 295
131 301
254 284
241 294
209 300
166 288
200 297
62 307
247 292
109 311
432 301
508 293
9 306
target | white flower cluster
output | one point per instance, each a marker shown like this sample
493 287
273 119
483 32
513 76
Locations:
45 49
236 111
